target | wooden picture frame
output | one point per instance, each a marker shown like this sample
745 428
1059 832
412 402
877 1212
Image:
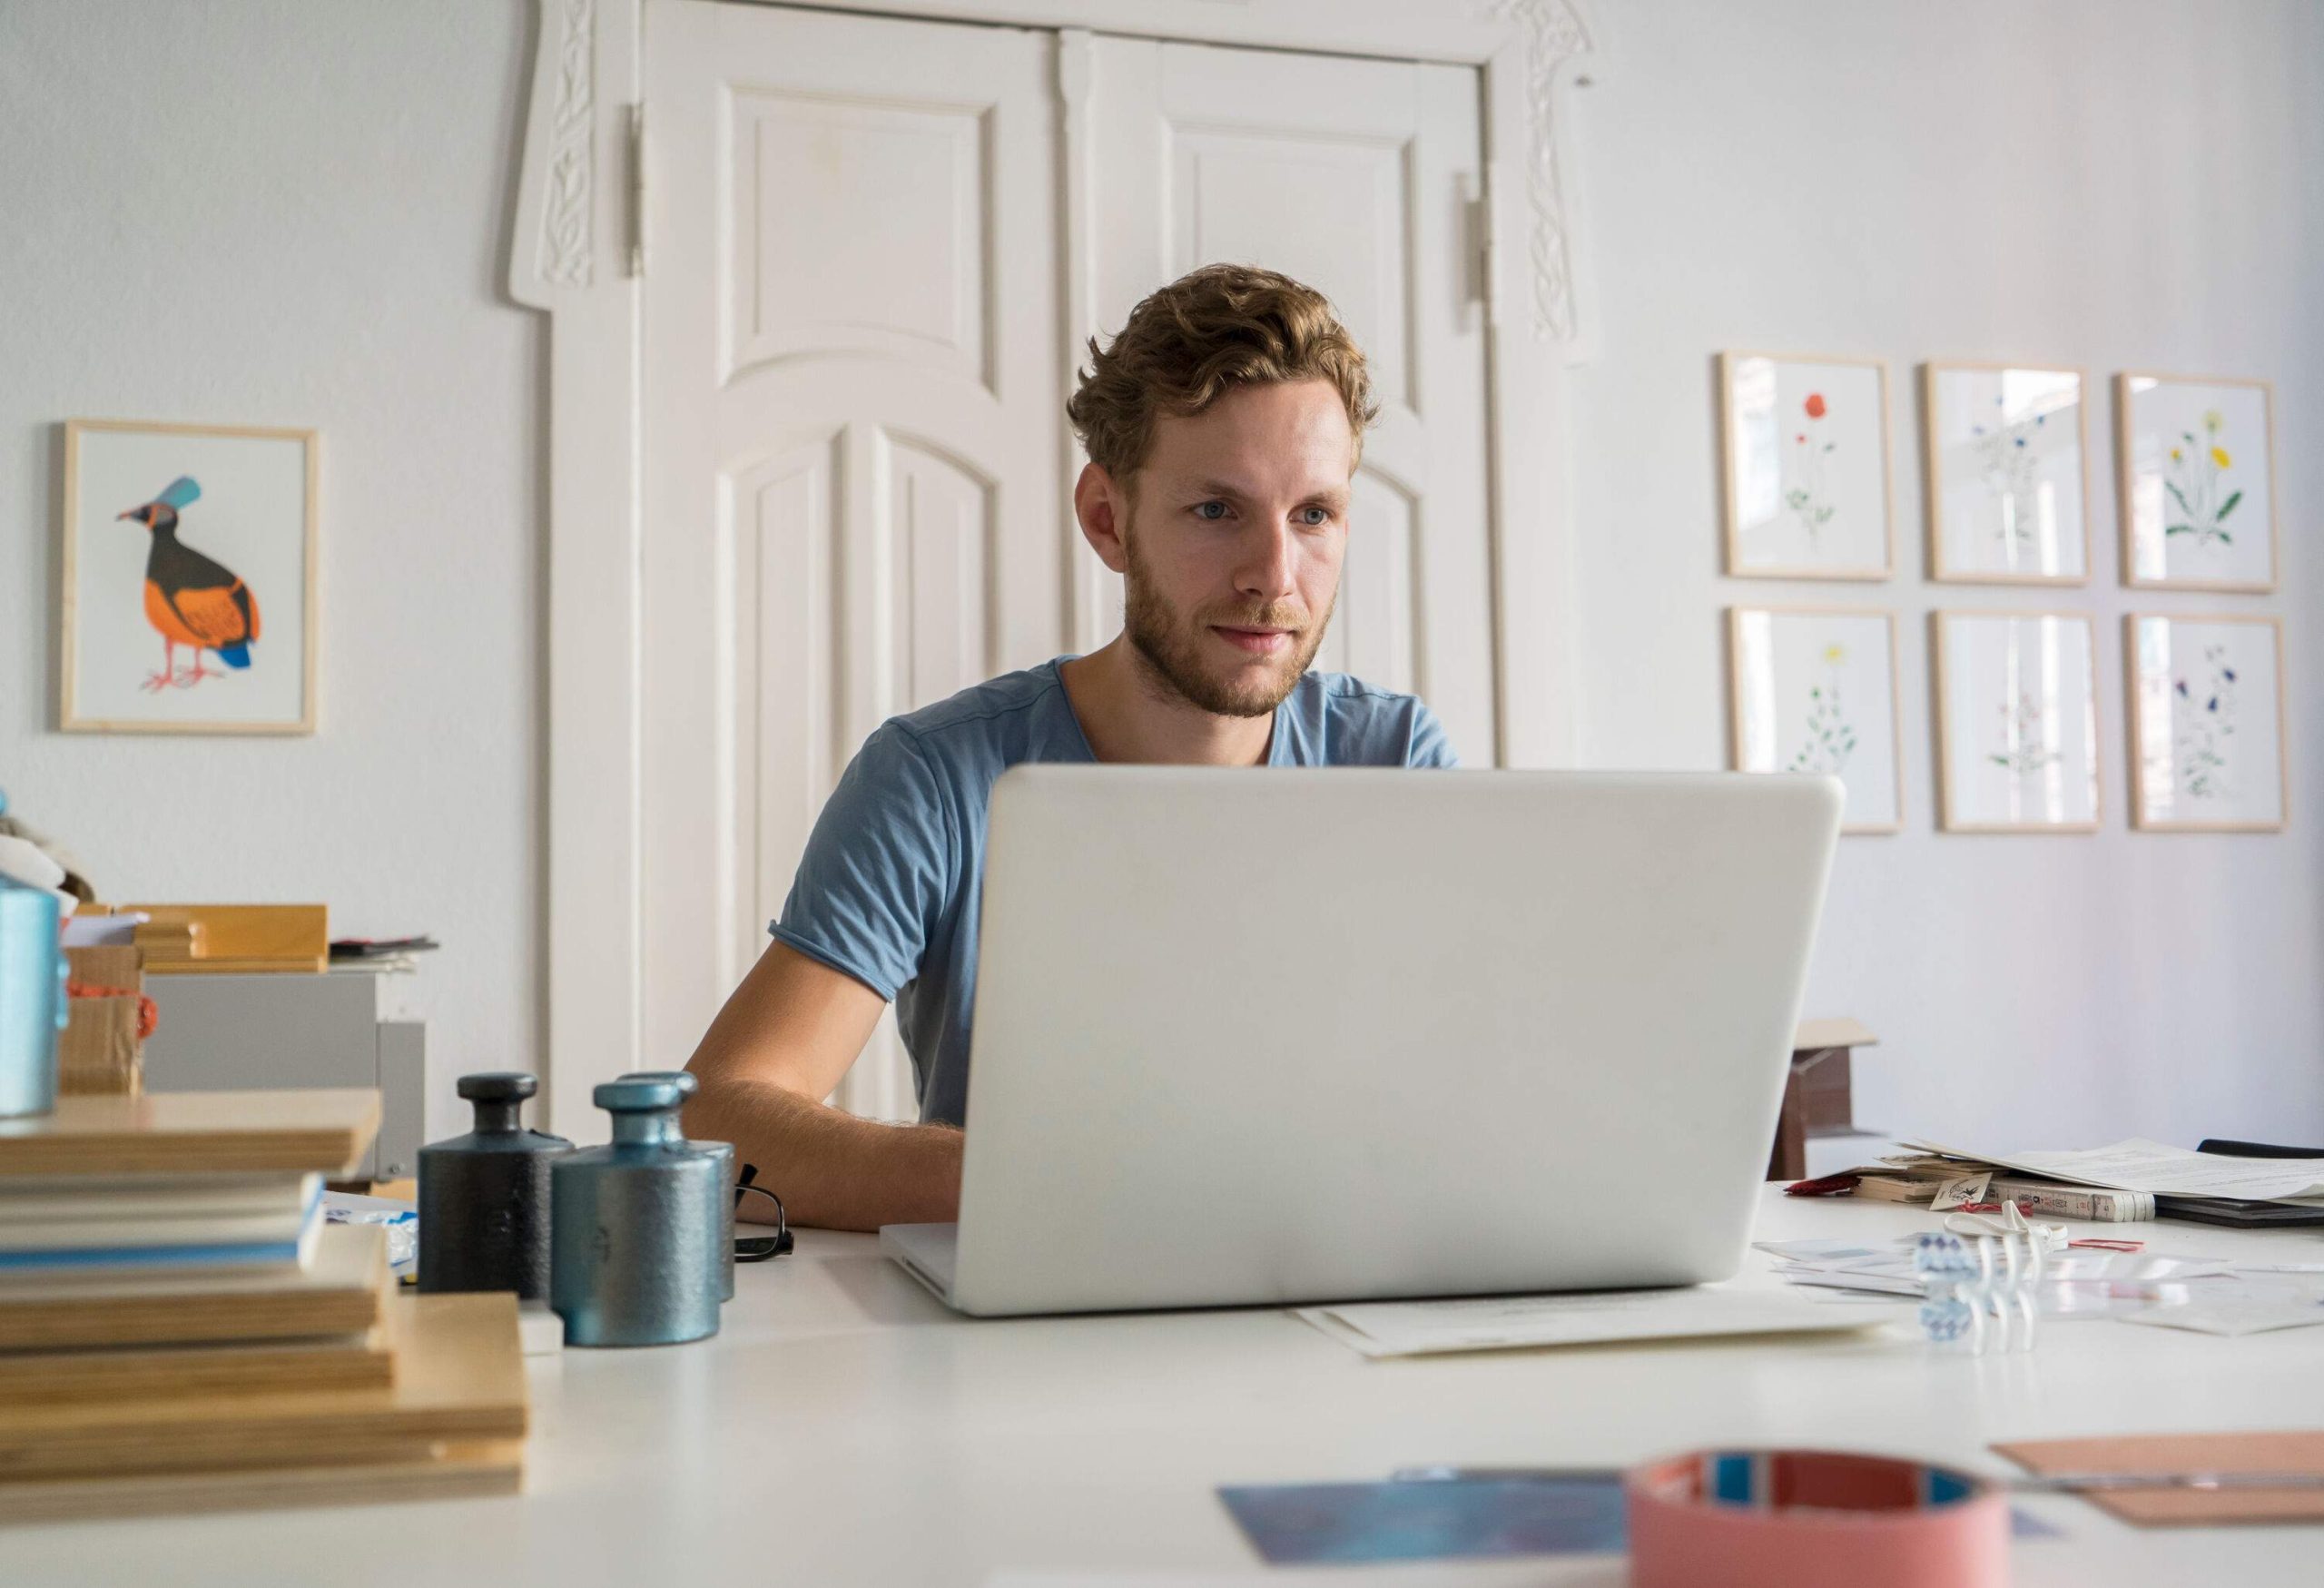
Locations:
1736 452
255 489
1953 569
2144 816
2145 545
1741 717
1951 817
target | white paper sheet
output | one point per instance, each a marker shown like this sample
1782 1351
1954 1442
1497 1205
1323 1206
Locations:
2240 1314
2138 1164
1414 1328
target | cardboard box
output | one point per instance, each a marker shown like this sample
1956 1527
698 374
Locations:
100 1052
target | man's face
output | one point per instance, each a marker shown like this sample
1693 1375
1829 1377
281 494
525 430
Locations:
1235 540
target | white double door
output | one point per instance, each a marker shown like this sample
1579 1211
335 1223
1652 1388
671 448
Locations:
873 250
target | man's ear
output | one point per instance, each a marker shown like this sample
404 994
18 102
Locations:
1102 505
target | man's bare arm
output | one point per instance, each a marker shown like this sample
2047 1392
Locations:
782 1041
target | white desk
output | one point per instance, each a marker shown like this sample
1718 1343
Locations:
844 1428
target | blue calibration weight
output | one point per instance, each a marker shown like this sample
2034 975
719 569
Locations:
634 1224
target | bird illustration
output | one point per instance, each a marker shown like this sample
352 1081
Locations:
191 598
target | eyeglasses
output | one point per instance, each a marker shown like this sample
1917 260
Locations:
758 1249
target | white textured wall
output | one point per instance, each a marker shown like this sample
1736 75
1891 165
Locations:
2109 184
285 212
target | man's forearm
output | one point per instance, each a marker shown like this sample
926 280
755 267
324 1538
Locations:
832 1169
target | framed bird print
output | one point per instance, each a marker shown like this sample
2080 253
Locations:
188 587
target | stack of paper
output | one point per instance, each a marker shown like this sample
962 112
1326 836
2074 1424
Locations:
2155 1169
179 1328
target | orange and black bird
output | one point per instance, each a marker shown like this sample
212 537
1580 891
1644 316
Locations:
192 600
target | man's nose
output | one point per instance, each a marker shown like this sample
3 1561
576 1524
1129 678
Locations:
1265 571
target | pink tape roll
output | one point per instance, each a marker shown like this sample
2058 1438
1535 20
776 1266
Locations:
1813 1519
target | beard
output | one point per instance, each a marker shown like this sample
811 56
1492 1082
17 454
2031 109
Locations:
1175 647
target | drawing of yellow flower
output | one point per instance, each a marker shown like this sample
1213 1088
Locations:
2219 456
1836 654
2176 455
2211 421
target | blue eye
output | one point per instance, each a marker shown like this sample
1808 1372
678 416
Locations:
1203 512
1314 516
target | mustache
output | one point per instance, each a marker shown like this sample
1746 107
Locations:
1280 615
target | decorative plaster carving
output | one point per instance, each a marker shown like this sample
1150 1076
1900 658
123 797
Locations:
566 256
1553 36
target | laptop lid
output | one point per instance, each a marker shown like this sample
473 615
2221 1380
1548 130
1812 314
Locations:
1315 1035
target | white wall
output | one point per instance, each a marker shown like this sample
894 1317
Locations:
2109 184
283 212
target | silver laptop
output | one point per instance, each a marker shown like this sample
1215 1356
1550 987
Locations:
1307 1036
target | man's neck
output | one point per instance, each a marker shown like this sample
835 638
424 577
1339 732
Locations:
1129 713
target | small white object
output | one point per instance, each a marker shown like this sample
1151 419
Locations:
540 1331
1960 1191
119 930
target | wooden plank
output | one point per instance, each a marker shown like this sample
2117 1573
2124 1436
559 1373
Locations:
340 1292
205 966
243 931
494 1466
459 1376
145 1373
189 1132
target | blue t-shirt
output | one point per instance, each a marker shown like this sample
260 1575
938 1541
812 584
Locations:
889 888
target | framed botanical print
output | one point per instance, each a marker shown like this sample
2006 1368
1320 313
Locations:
2207 723
2196 463
2016 721
188 579
1805 444
2008 462
1814 690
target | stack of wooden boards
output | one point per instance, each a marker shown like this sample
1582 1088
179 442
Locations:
135 1379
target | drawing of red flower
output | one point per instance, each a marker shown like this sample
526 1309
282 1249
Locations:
1814 405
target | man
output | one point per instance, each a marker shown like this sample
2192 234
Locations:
1222 427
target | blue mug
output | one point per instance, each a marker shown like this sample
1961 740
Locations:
32 1007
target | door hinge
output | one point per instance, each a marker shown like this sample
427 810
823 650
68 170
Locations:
636 190
1484 228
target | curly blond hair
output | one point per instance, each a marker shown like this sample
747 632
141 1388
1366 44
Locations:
1182 346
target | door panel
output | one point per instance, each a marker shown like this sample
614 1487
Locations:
851 441
854 463
1355 177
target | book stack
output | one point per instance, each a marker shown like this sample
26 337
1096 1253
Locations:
181 1328
1944 1182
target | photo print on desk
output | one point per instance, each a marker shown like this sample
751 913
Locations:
1814 690
2016 721
1804 447
2196 462
2006 452
2207 723
188 579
